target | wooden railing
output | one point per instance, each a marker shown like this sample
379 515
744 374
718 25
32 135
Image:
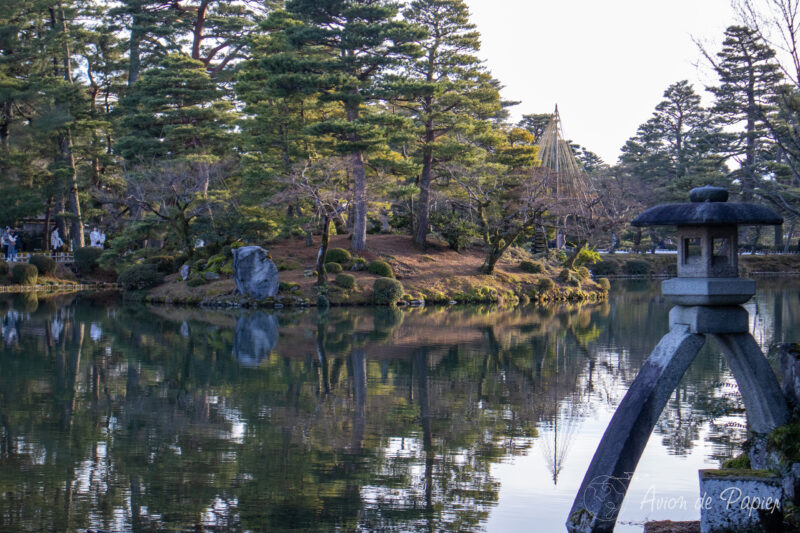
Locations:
60 287
25 257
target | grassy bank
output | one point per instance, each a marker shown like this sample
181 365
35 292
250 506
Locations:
436 275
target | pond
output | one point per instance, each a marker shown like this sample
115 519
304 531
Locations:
130 418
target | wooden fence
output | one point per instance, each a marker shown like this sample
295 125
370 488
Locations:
65 258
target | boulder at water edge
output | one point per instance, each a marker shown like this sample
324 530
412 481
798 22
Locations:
255 274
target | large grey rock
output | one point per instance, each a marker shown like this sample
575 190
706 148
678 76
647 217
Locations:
255 274
256 335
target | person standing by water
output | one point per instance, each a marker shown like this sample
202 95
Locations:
11 256
55 241
4 241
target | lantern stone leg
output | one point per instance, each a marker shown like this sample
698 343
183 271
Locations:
707 292
763 399
604 486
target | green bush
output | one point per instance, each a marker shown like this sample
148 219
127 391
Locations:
337 255
604 284
583 273
46 266
637 267
545 284
164 263
86 259
346 281
586 256
533 267
359 264
196 282
25 274
333 268
4 269
380 268
386 291
455 229
285 286
140 277
605 268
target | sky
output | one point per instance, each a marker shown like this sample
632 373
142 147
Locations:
606 63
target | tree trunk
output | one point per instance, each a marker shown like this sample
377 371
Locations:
322 274
47 214
423 205
135 62
359 242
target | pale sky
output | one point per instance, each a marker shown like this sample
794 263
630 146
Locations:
606 63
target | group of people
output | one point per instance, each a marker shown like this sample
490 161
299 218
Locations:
10 241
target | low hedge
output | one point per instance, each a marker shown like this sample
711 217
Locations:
346 281
545 284
387 291
25 274
4 269
337 255
86 259
140 277
333 268
380 268
532 267
46 266
637 267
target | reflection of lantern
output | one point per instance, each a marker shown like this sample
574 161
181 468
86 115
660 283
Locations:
707 246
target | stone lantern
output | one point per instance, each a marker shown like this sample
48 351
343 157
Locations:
708 263
707 294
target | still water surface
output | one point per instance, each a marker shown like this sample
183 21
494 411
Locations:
131 418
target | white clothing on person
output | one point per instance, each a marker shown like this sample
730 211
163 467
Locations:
55 240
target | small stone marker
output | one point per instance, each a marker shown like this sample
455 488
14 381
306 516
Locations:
184 272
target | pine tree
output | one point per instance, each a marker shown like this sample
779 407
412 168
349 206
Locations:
449 88
748 80
679 147
362 40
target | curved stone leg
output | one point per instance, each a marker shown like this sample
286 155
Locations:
600 497
763 400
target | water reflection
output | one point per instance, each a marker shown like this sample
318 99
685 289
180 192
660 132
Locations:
131 418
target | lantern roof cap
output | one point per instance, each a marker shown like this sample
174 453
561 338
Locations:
708 207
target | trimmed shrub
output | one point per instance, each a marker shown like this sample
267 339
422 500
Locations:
4 269
346 281
532 267
164 263
359 264
604 284
196 282
46 266
380 268
605 268
140 277
285 286
86 259
337 255
387 291
333 268
583 273
25 274
545 284
637 267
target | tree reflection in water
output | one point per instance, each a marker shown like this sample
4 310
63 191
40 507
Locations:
131 418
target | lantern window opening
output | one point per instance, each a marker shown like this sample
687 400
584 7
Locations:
692 250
